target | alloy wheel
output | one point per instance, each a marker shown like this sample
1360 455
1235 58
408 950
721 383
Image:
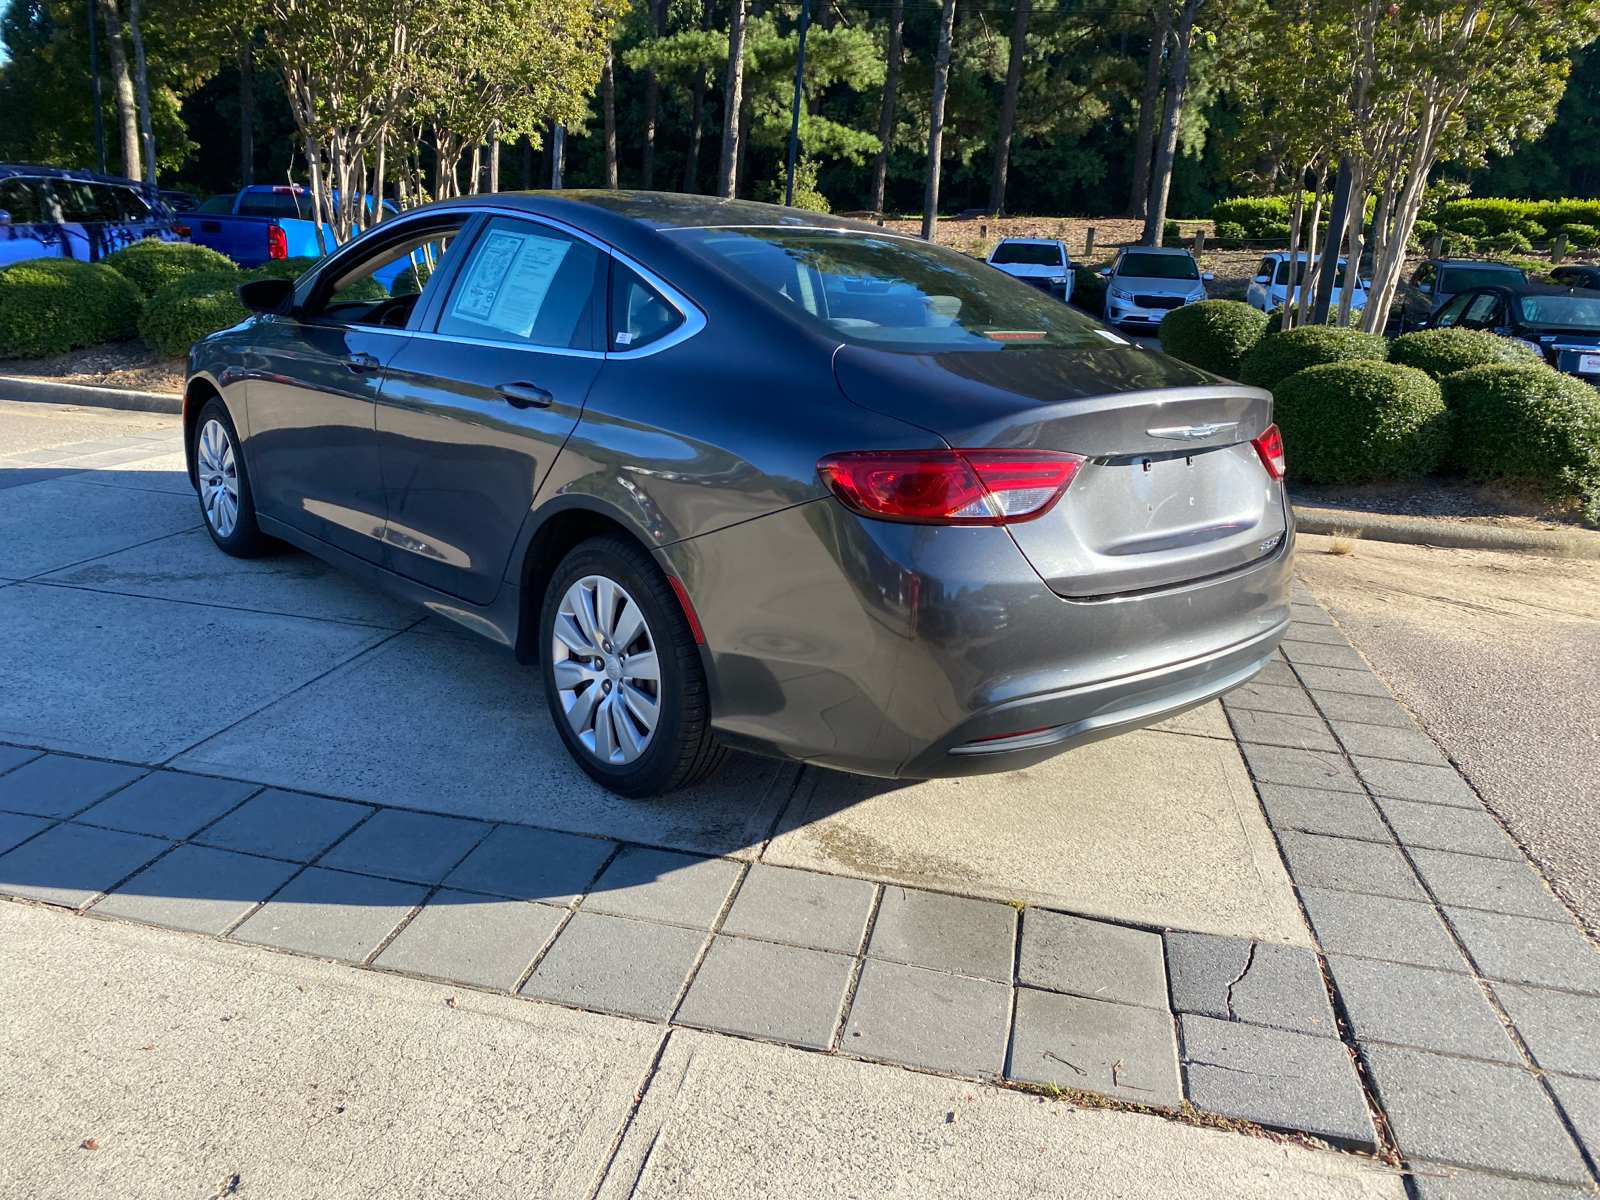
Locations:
219 478
606 671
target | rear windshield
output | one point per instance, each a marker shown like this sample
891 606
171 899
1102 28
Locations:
218 204
891 292
285 206
1459 279
1571 312
1299 276
1158 266
1026 254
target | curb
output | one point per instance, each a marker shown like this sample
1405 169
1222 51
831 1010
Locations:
1457 535
42 391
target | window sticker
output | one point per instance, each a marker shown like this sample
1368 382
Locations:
509 279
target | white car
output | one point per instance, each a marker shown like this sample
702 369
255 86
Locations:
1147 282
1272 287
1039 261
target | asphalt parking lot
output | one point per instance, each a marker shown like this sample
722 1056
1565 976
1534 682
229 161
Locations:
1288 909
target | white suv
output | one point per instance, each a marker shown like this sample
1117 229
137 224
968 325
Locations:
1039 261
1271 286
1148 282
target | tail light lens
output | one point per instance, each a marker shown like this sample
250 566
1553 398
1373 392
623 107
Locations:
1270 447
950 487
277 244
182 230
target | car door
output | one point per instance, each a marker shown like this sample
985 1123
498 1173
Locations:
1485 312
312 384
30 232
1256 293
478 403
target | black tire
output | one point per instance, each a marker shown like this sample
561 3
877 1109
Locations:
681 748
243 538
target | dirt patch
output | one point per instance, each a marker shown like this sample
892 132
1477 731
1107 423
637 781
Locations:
127 366
1457 499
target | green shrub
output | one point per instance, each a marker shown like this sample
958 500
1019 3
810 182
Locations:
1171 233
1281 354
1088 289
1230 235
284 268
1354 422
414 277
1424 230
1579 235
1250 213
1474 227
1275 231
51 305
1511 243
153 264
187 309
1441 352
1529 424
1458 243
1532 230
1213 334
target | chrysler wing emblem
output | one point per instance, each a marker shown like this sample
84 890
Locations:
1192 433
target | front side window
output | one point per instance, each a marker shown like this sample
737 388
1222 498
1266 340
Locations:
895 293
529 284
1027 254
1480 314
1158 266
22 199
1451 313
134 206
1265 268
383 287
218 204
1424 275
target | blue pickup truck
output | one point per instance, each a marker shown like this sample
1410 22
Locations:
53 212
259 223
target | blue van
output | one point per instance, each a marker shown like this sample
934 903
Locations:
51 212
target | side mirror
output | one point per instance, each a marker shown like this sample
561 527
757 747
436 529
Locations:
1261 279
1365 284
5 216
267 295
1106 272
1425 288
1207 275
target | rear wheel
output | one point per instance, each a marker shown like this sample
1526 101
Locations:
223 482
622 673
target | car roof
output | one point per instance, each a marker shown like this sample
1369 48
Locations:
1534 289
668 210
1153 250
1027 241
1476 262
12 170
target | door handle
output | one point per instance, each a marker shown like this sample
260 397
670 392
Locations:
525 395
362 362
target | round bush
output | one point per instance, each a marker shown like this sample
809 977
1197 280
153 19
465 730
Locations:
284 268
1354 422
1532 424
1423 230
153 264
1532 230
1279 355
51 305
1230 235
1442 352
1473 227
1171 233
1275 231
1213 334
1511 243
1579 235
1456 244
184 311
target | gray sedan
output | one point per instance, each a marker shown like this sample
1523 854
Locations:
735 475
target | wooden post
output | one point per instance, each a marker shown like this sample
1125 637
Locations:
1199 245
1436 250
983 231
1559 250
1088 244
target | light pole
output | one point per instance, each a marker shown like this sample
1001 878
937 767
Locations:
794 112
1338 217
94 75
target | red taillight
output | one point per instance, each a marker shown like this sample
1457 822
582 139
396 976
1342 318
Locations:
1270 447
950 487
181 230
277 244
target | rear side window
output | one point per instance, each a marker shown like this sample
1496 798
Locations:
639 313
21 198
86 202
529 284
133 206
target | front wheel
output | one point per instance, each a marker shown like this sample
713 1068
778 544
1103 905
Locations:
221 478
622 672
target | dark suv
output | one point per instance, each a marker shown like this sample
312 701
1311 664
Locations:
48 212
1438 279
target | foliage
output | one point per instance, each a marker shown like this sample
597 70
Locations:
1213 334
1282 353
1252 213
1354 422
284 268
806 194
1529 423
1230 235
1088 289
1441 352
186 310
152 264
1579 235
1507 216
51 305
1511 243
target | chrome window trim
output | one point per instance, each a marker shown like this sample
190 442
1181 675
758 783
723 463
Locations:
490 343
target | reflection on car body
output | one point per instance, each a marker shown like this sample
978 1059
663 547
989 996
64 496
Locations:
49 212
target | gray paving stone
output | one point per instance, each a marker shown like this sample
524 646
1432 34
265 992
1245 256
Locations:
284 825
1469 881
1361 682
1581 1100
1280 729
1349 866
762 989
419 847
1369 710
1473 1114
1276 674
1116 1049
803 908
56 786
1416 781
1300 768
944 933
1310 631
1306 611
1324 654
1388 741
472 939
1092 958
1313 810
197 888
1426 1010
1451 1183
1261 983
1561 1030
168 804
532 864
70 863
1437 827
16 829
617 965
332 914
921 1018
12 757
1265 697
1382 928
1286 1080
661 885
1524 950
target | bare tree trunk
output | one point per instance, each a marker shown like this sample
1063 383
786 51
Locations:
941 84
473 188
1008 112
379 166
608 102
1297 273
691 164
732 104
1155 218
247 116
527 162
494 159
1149 103
891 87
143 78
652 100
127 110
318 214
1313 265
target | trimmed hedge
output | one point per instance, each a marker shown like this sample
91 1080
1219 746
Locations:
1529 424
187 309
1281 354
51 305
1507 216
1213 334
1579 235
1442 352
284 268
153 264
1230 235
1354 422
